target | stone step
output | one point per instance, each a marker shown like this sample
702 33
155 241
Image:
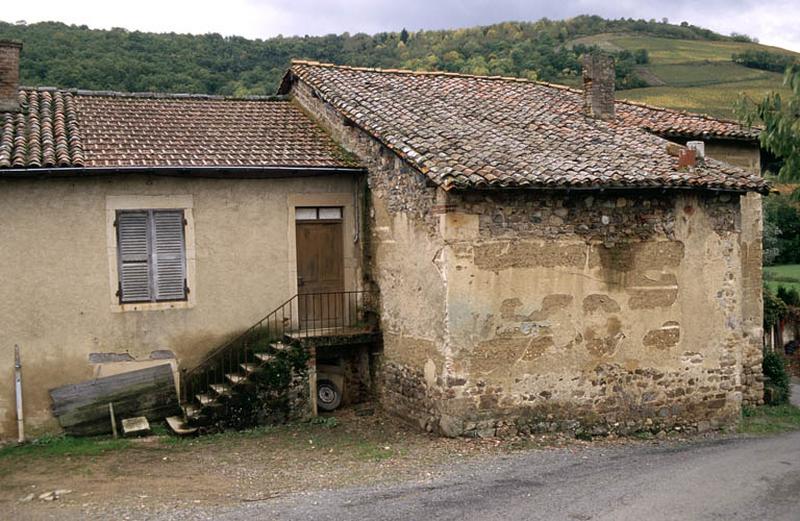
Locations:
236 378
179 426
279 346
264 357
205 399
221 389
138 426
250 368
190 412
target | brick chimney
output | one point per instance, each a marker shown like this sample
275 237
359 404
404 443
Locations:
598 85
9 75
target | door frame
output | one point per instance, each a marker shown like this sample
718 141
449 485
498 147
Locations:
350 246
329 233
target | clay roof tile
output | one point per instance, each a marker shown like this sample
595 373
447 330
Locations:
531 133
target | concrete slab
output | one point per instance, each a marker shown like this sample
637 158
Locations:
135 426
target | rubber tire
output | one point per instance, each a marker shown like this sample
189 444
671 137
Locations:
332 398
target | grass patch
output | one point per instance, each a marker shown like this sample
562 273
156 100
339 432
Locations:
769 419
229 436
232 436
369 451
717 99
786 275
672 50
60 446
699 75
785 271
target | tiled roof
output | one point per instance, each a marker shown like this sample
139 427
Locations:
45 133
668 122
472 131
116 130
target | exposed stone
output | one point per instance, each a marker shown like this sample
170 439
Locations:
104 358
597 302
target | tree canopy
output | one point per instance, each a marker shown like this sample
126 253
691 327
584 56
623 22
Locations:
781 230
71 56
780 117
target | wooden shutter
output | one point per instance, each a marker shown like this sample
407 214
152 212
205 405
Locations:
132 243
169 265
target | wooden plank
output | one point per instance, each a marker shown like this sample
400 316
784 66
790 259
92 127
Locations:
82 409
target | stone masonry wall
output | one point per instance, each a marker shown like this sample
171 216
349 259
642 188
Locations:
593 312
746 154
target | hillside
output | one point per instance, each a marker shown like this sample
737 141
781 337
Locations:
695 75
679 66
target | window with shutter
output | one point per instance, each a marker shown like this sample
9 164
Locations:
151 255
169 266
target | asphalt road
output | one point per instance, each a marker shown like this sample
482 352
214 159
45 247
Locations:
731 479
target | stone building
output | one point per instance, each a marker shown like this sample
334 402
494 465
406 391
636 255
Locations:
546 258
543 258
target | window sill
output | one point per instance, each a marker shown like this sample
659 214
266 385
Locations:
151 306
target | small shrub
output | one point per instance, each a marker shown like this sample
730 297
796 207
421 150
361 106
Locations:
748 412
789 296
774 309
776 388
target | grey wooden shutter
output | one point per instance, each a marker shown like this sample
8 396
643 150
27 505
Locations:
168 251
132 244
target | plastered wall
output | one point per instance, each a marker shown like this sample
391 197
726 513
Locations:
614 310
57 296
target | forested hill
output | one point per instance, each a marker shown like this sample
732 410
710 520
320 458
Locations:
56 54
76 56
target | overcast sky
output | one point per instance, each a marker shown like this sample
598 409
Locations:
773 22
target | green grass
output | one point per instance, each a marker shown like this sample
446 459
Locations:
698 75
769 419
60 446
786 275
701 73
669 50
716 100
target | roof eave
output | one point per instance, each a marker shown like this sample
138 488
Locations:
194 171
610 188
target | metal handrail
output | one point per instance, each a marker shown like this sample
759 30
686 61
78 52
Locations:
303 315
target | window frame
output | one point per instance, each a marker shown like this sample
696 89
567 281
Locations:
135 201
151 259
317 217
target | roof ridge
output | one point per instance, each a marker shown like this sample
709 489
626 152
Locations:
154 95
509 79
513 79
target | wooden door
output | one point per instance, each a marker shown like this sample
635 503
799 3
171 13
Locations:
320 272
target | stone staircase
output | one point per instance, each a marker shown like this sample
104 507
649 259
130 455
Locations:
228 371
202 408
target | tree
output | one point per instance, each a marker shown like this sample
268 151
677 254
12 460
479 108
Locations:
789 296
781 121
74 56
781 230
771 242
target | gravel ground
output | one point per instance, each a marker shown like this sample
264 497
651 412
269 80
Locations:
731 479
376 468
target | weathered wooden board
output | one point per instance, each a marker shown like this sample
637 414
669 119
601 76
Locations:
82 409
